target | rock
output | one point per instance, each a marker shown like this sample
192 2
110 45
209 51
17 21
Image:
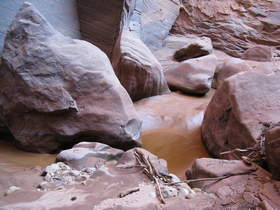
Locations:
137 68
103 21
193 76
258 53
228 68
200 48
173 44
272 149
243 108
247 187
11 190
63 90
88 154
232 25
119 185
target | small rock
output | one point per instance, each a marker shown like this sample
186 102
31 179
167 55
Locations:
11 190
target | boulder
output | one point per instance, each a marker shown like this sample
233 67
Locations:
57 91
174 44
137 68
228 68
102 22
88 154
240 112
258 53
237 185
201 47
232 25
272 149
193 76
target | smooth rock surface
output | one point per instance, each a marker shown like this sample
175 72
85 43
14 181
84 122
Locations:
258 53
228 68
193 76
233 25
247 187
137 69
88 154
240 112
63 90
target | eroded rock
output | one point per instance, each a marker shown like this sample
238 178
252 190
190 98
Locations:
258 53
233 25
272 149
137 68
63 90
240 112
193 76
238 186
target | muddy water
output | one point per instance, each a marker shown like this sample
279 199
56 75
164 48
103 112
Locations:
12 159
172 128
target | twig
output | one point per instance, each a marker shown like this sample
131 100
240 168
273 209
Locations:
213 178
159 192
130 191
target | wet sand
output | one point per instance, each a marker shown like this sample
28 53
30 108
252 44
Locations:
13 159
172 128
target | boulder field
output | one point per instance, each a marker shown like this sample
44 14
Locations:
143 67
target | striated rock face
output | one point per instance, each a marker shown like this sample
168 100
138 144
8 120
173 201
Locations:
241 111
56 91
233 25
193 76
272 149
137 69
103 21
243 186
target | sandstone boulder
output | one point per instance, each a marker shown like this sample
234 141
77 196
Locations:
240 112
56 91
272 149
137 68
102 22
198 48
232 25
193 76
173 44
258 53
88 154
228 68
237 185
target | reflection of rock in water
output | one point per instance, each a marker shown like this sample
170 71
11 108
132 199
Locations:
171 128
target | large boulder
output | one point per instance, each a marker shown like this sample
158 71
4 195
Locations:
193 76
103 21
240 112
258 53
238 186
56 91
228 68
233 25
137 68
178 47
272 149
